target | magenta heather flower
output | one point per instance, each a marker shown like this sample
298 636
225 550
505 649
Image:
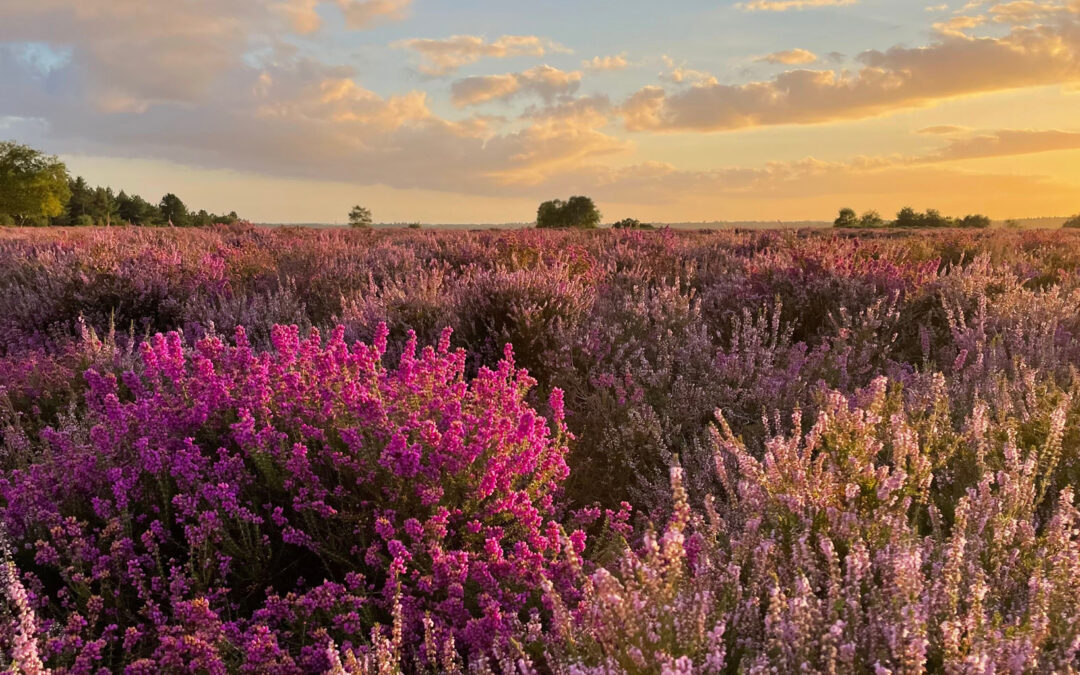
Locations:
251 475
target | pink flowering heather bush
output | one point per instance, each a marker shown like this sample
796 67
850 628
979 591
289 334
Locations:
238 509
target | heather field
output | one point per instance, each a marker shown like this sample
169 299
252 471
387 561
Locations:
243 450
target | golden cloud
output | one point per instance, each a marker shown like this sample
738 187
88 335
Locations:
544 81
790 57
447 55
900 77
785 5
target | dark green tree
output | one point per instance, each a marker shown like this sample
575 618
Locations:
33 186
173 211
975 220
80 203
136 210
908 217
360 217
847 218
1073 222
202 219
871 219
933 218
103 206
578 212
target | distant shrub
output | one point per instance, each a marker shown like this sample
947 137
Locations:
83 220
6 220
1073 222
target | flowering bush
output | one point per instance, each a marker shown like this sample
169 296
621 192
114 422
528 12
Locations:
229 507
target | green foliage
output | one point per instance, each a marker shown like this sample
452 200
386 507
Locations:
6 220
174 211
1073 222
32 185
577 212
975 221
632 224
847 218
871 219
85 220
136 210
360 217
909 217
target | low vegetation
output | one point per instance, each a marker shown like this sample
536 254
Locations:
297 451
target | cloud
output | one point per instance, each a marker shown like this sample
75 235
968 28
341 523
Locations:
366 13
1026 11
680 74
790 57
128 55
942 130
958 26
301 15
900 77
617 62
785 5
447 55
544 81
1007 142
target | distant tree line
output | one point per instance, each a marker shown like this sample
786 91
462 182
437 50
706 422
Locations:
1073 223
36 190
908 217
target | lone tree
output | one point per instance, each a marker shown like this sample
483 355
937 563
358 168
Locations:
579 212
33 186
847 218
360 217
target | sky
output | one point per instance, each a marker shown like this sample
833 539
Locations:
474 111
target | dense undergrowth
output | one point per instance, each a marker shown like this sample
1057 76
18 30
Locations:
292 451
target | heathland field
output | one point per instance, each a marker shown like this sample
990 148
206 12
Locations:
294 451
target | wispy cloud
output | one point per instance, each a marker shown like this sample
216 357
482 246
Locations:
617 62
785 5
790 57
543 81
442 56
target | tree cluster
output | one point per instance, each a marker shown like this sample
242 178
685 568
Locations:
631 224
1073 222
577 212
908 217
36 190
